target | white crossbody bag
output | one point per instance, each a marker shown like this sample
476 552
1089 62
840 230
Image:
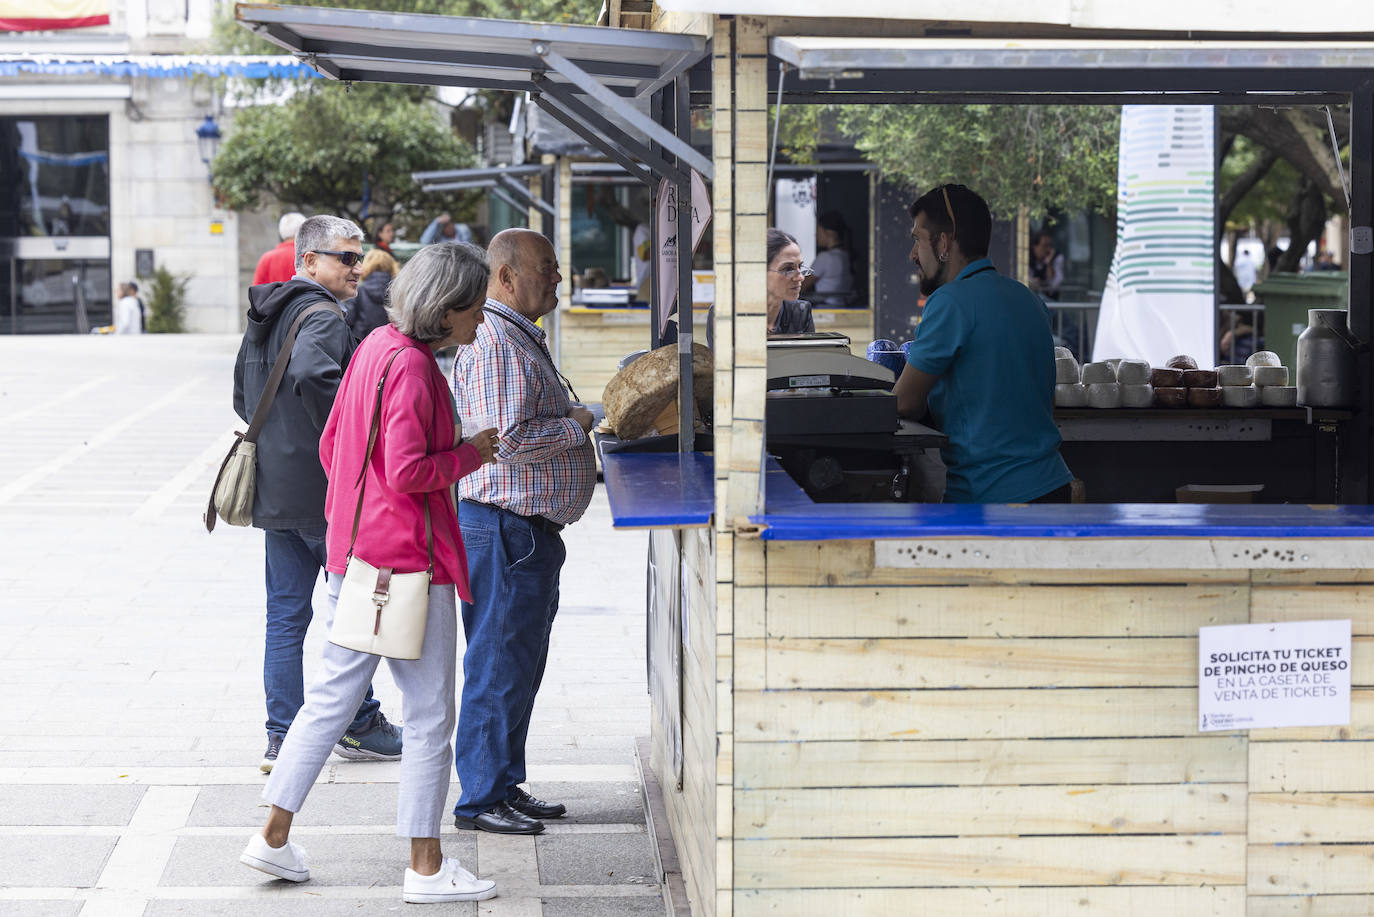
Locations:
380 611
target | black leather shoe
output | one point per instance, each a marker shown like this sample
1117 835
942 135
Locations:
526 804
500 819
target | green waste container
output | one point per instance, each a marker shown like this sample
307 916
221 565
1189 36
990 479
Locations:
1286 298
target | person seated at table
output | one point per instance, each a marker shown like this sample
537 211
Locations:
787 314
832 280
982 362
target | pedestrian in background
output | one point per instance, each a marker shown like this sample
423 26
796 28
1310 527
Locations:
381 510
288 503
512 513
443 229
278 264
367 310
128 311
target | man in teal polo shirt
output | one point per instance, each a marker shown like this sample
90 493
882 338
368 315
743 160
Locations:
983 361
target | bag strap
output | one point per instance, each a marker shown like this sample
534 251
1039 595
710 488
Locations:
367 458
269 392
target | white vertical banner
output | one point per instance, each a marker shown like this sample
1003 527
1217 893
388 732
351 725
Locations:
665 218
1160 299
794 212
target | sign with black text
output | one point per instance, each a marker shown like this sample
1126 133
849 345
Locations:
1264 676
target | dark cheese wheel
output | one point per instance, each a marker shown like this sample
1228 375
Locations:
1166 378
1182 361
1204 397
1175 397
1200 378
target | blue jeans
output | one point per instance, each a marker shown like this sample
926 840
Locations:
294 560
513 570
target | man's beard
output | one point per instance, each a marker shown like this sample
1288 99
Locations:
931 284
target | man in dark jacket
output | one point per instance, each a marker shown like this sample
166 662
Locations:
289 501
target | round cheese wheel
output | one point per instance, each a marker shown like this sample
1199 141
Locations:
1204 397
1166 378
1239 396
1235 375
1182 361
1098 373
1137 396
1278 396
1271 375
1065 370
1133 372
1200 378
1104 394
1063 352
1171 397
1263 358
1071 395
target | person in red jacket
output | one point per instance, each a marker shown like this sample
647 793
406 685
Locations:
279 264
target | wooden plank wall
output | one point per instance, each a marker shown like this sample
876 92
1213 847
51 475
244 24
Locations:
962 743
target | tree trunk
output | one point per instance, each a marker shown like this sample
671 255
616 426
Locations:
1306 218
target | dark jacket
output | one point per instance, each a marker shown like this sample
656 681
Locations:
367 310
290 481
795 317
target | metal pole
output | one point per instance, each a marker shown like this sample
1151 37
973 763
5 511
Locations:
686 405
1356 469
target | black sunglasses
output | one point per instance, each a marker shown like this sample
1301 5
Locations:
348 259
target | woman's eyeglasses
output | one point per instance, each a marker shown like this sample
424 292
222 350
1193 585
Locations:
789 272
348 259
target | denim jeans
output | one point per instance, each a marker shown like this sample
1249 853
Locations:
294 560
513 569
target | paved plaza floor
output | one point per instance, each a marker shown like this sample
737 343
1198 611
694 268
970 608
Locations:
130 671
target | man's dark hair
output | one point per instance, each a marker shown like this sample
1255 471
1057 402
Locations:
971 225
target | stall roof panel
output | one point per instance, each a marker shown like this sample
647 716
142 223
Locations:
368 45
1259 17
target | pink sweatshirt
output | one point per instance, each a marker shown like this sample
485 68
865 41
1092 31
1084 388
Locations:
413 460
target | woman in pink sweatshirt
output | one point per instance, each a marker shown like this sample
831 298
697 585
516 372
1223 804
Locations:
435 303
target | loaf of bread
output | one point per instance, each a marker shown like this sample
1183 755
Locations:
1137 396
1071 395
1133 372
1098 373
1065 370
1200 378
1166 378
1182 361
1263 358
1171 397
1235 375
1239 396
638 394
1271 375
1204 397
1278 396
1104 394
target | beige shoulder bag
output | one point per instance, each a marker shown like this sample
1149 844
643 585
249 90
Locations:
380 611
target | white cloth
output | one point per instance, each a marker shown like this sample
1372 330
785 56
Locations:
427 703
128 316
834 278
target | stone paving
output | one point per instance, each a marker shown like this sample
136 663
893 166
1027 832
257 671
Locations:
130 663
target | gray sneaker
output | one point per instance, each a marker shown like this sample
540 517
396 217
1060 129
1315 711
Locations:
379 742
269 757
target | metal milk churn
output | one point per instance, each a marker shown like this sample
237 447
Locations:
1326 360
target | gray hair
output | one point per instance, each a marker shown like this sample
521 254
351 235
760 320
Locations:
440 278
320 231
289 223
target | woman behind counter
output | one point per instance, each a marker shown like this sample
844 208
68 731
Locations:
436 302
786 313
832 281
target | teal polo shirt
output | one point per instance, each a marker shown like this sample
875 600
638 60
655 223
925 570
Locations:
988 339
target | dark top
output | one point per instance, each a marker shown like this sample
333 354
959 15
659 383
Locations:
290 480
794 318
367 310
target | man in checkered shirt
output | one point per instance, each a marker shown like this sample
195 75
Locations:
511 513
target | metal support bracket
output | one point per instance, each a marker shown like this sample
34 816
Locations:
632 116
519 190
571 122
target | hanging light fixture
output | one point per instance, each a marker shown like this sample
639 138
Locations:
207 138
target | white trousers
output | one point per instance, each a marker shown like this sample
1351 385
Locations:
427 704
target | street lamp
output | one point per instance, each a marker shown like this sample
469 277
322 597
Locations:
207 138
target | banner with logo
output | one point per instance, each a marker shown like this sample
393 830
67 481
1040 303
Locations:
43 15
666 218
1159 299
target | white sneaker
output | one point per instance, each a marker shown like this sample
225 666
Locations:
451 883
285 862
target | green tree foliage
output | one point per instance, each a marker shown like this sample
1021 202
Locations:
313 151
167 302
